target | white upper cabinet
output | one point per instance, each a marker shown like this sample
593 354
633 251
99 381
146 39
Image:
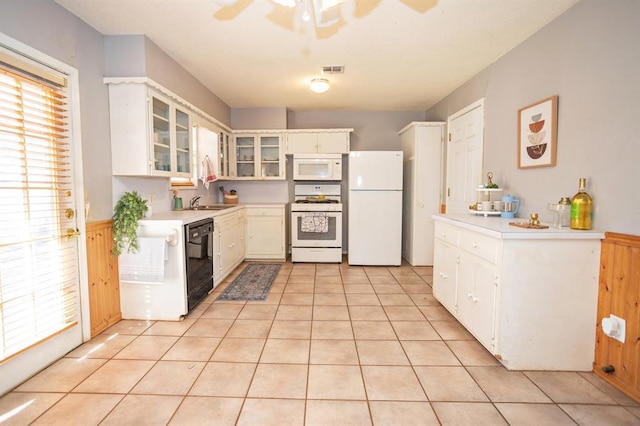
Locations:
225 149
150 133
325 141
258 156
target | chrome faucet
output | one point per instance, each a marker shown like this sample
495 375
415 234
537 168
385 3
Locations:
194 202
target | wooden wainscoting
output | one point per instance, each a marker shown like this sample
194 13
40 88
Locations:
619 294
104 282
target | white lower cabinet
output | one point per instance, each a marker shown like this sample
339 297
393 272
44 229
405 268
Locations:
445 273
464 282
476 294
229 243
265 233
528 296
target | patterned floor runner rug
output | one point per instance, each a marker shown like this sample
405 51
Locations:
253 283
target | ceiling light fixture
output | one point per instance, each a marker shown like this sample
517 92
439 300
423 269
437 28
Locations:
319 85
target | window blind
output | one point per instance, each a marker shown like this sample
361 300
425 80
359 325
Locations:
38 246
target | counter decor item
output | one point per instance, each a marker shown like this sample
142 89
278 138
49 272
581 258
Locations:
484 205
534 223
581 205
129 209
560 212
229 197
537 129
177 201
510 206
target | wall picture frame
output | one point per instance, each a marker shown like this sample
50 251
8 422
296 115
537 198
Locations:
537 134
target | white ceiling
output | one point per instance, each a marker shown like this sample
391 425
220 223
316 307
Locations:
399 55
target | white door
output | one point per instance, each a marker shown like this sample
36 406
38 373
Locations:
464 157
42 251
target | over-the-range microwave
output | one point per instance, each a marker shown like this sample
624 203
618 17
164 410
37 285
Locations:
317 167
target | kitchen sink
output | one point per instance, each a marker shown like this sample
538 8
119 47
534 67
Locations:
213 207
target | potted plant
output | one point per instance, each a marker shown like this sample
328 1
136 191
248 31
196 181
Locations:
129 209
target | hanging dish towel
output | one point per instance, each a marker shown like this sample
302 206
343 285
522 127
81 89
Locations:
147 265
208 173
314 222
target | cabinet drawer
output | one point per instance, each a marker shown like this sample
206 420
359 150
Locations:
447 233
480 245
266 211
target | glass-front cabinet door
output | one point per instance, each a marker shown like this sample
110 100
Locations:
258 155
161 135
183 142
245 156
270 157
224 155
171 139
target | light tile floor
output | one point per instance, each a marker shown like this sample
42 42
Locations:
331 345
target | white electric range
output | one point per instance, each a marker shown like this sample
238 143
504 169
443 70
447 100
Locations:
316 224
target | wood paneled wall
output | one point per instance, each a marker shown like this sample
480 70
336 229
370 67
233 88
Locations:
619 294
104 281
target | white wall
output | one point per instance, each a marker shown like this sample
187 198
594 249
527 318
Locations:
589 57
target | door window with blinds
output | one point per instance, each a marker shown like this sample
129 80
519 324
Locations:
38 235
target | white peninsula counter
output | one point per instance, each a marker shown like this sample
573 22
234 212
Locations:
528 295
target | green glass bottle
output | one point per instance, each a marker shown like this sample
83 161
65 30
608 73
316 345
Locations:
581 205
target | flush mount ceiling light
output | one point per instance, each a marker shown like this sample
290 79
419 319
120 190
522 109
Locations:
319 85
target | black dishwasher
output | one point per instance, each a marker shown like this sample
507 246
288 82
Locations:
199 262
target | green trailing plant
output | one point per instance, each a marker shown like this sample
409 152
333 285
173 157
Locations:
129 209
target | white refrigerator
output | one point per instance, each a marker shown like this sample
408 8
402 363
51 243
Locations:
375 208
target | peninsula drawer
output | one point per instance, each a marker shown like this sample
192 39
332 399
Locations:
480 245
447 233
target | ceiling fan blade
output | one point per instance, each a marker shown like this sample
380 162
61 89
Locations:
283 16
365 7
228 13
420 6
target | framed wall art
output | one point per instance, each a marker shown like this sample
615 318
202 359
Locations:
537 131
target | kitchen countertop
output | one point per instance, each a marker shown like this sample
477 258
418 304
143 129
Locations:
499 227
190 216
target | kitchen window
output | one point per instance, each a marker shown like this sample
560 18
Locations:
39 290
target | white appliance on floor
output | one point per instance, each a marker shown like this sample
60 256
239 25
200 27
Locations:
316 224
375 208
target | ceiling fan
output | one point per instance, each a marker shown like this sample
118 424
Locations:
325 13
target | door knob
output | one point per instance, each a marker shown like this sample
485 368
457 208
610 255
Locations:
72 233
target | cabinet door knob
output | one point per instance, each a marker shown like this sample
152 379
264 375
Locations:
474 245
470 296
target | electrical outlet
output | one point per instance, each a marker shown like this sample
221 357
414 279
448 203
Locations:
615 327
151 198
